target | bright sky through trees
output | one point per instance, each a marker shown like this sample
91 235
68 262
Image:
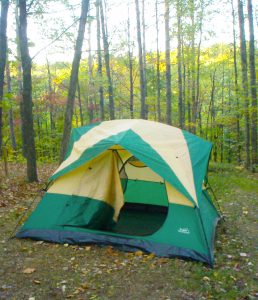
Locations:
57 18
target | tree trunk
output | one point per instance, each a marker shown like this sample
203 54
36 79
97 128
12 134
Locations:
10 113
144 49
74 80
211 109
107 64
101 94
193 66
19 74
184 87
80 103
179 66
130 60
189 115
158 61
244 80
90 85
253 84
3 47
168 65
26 114
50 95
141 64
222 114
197 100
214 135
236 87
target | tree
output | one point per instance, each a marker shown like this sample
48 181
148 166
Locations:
26 112
10 112
158 61
236 85
244 80
107 63
193 64
253 84
74 79
101 94
168 65
179 66
90 74
141 63
19 73
144 50
50 94
3 47
130 60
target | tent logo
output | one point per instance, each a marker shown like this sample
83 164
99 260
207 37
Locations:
184 230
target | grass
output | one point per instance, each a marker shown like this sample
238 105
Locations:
90 272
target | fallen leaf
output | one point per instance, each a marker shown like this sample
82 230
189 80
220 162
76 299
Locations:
206 278
39 243
138 253
28 270
36 281
84 286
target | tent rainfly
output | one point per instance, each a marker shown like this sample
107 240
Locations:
134 184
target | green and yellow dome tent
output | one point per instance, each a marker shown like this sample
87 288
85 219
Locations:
134 184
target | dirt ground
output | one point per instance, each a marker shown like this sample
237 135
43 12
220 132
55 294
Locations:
38 270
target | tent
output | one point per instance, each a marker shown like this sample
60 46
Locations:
134 184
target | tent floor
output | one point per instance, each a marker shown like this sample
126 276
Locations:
140 220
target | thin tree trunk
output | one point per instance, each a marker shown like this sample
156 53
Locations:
158 61
80 102
27 115
236 87
101 94
197 100
141 64
211 109
222 114
253 84
193 66
200 119
213 126
3 47
10 113
130 60
74 79
144 48
229 105
19 74
189 115
50 93
184 89
90 100
244 80
179 66
168 65
107 64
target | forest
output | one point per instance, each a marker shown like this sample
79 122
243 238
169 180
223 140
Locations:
162 61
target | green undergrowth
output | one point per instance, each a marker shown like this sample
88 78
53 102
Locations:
37 270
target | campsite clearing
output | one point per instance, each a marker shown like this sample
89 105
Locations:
53 271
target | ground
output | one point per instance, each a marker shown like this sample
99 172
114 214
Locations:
37 270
